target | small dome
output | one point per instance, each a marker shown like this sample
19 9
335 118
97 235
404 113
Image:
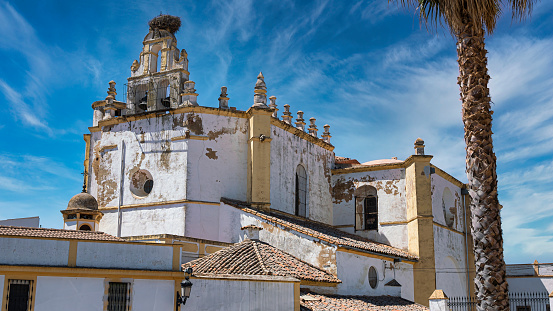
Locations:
83 201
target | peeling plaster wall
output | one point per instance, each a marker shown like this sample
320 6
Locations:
222 223
390 186
449 246
161 219
353 271
289 150
148 146
217 167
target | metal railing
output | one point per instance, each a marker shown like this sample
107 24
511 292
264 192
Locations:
535 301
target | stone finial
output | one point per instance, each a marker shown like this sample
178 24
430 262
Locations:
109 107
260 92
536 265
326 134
223 98
189 95
135 65
438 301
273 106
287 115
300 122
111 89
419 146
251 232
312 127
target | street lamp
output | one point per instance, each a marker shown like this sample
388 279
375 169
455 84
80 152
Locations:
185 287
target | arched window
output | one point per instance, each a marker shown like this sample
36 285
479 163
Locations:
366 208
85 228
301 191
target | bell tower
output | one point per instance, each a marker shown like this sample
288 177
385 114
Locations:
160 79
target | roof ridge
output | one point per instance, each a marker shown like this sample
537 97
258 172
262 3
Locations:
53 229
260 258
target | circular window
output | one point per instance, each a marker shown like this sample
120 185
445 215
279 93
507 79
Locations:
142 183
373 277
85 228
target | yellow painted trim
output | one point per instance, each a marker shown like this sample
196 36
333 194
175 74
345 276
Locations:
28 271
176 257
448 177
381 167
266 139
306 136
72 256
313 283
193 137
389 223
160 203
448 228
190 247
82 240
210 249
297 305
371 255
344 226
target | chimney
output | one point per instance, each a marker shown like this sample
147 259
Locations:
223 98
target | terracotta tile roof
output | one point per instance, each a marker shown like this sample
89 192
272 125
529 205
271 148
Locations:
316 302
322 231
56 233
253 257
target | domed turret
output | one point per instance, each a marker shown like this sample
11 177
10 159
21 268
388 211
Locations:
82 213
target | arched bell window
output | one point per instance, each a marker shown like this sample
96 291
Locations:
366 208
301 191
85 228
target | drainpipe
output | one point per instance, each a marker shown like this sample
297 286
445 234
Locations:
121 174
465 192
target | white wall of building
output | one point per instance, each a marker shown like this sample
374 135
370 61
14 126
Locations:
287 152
530 284
160 219
125 256
21 222
149 295
69 293
449 245
2 278
390 186
353 271
220 294
21 251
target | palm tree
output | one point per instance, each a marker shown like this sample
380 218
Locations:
468 21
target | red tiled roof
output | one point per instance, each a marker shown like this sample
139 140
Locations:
316 302
322 231
253 257
56 233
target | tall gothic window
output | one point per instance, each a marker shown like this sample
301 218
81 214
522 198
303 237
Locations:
301 191
366 208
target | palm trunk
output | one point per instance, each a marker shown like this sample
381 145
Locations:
491 286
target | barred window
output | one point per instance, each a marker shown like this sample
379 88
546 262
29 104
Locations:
118 296
19 295
366 208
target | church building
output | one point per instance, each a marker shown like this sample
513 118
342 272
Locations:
246 193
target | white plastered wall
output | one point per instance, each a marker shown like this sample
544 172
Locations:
160 219
390 186
287 152
213 294
69 293
449 245
353 271
2 278
530 284
22 251
150 295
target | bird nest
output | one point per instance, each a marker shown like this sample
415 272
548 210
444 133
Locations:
169 22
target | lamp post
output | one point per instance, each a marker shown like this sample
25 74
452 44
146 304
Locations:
185 288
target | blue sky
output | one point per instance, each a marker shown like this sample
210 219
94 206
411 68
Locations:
365 67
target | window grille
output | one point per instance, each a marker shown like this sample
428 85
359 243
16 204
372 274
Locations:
118 296
371 213
19 292
301 191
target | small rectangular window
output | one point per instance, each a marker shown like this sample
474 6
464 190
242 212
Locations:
19 295
118 296
371 213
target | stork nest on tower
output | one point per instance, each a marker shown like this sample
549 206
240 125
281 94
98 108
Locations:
168 22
